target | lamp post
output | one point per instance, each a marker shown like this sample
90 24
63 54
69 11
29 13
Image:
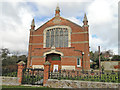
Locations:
82 59
82 62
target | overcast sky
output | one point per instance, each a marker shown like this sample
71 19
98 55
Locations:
16 17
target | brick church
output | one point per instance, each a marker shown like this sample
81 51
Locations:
61 42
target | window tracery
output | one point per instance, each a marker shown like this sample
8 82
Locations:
57 37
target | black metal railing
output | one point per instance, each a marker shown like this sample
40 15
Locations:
9 72
32 76
86 76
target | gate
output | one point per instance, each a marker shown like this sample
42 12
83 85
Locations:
32 76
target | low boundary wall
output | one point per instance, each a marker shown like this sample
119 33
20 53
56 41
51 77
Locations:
9 80
53 83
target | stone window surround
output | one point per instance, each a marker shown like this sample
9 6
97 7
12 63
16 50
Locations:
57 26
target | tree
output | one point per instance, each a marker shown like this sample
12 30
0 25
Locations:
9 62
4 53
116 58
94 56
91 55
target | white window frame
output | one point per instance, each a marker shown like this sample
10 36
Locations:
79 62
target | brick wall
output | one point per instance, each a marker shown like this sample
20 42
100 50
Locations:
79 41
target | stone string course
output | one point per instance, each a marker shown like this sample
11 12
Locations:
79 84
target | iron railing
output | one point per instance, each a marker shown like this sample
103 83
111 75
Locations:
32 76
86 76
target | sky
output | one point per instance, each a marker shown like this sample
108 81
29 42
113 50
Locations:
16 17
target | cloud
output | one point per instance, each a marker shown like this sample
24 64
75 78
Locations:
99 12
103 23
15 25
17 16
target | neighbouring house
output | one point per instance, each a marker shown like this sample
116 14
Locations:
61 42
111 65
107 54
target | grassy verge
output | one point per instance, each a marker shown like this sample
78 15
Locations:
9 87
12 86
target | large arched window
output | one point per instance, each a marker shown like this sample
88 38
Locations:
57 36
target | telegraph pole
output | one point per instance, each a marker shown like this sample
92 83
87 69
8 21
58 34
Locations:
99 59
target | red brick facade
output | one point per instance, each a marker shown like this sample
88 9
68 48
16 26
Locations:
79 42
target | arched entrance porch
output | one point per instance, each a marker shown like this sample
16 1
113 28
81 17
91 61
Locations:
55 60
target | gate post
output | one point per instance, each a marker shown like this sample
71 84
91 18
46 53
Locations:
46 72
21 65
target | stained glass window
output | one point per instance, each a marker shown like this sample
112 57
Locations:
61 38
47 38
66 38
57 37
52 38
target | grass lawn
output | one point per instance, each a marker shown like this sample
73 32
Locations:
9 87
12 86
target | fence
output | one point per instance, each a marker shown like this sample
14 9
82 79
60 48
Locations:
11 74
9 71
32 76
40 76
87 76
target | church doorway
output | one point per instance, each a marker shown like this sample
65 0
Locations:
55 60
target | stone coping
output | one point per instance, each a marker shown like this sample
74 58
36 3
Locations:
82 81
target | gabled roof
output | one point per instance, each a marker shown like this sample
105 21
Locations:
58 20
62 20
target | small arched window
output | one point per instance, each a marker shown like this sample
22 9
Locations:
78 62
